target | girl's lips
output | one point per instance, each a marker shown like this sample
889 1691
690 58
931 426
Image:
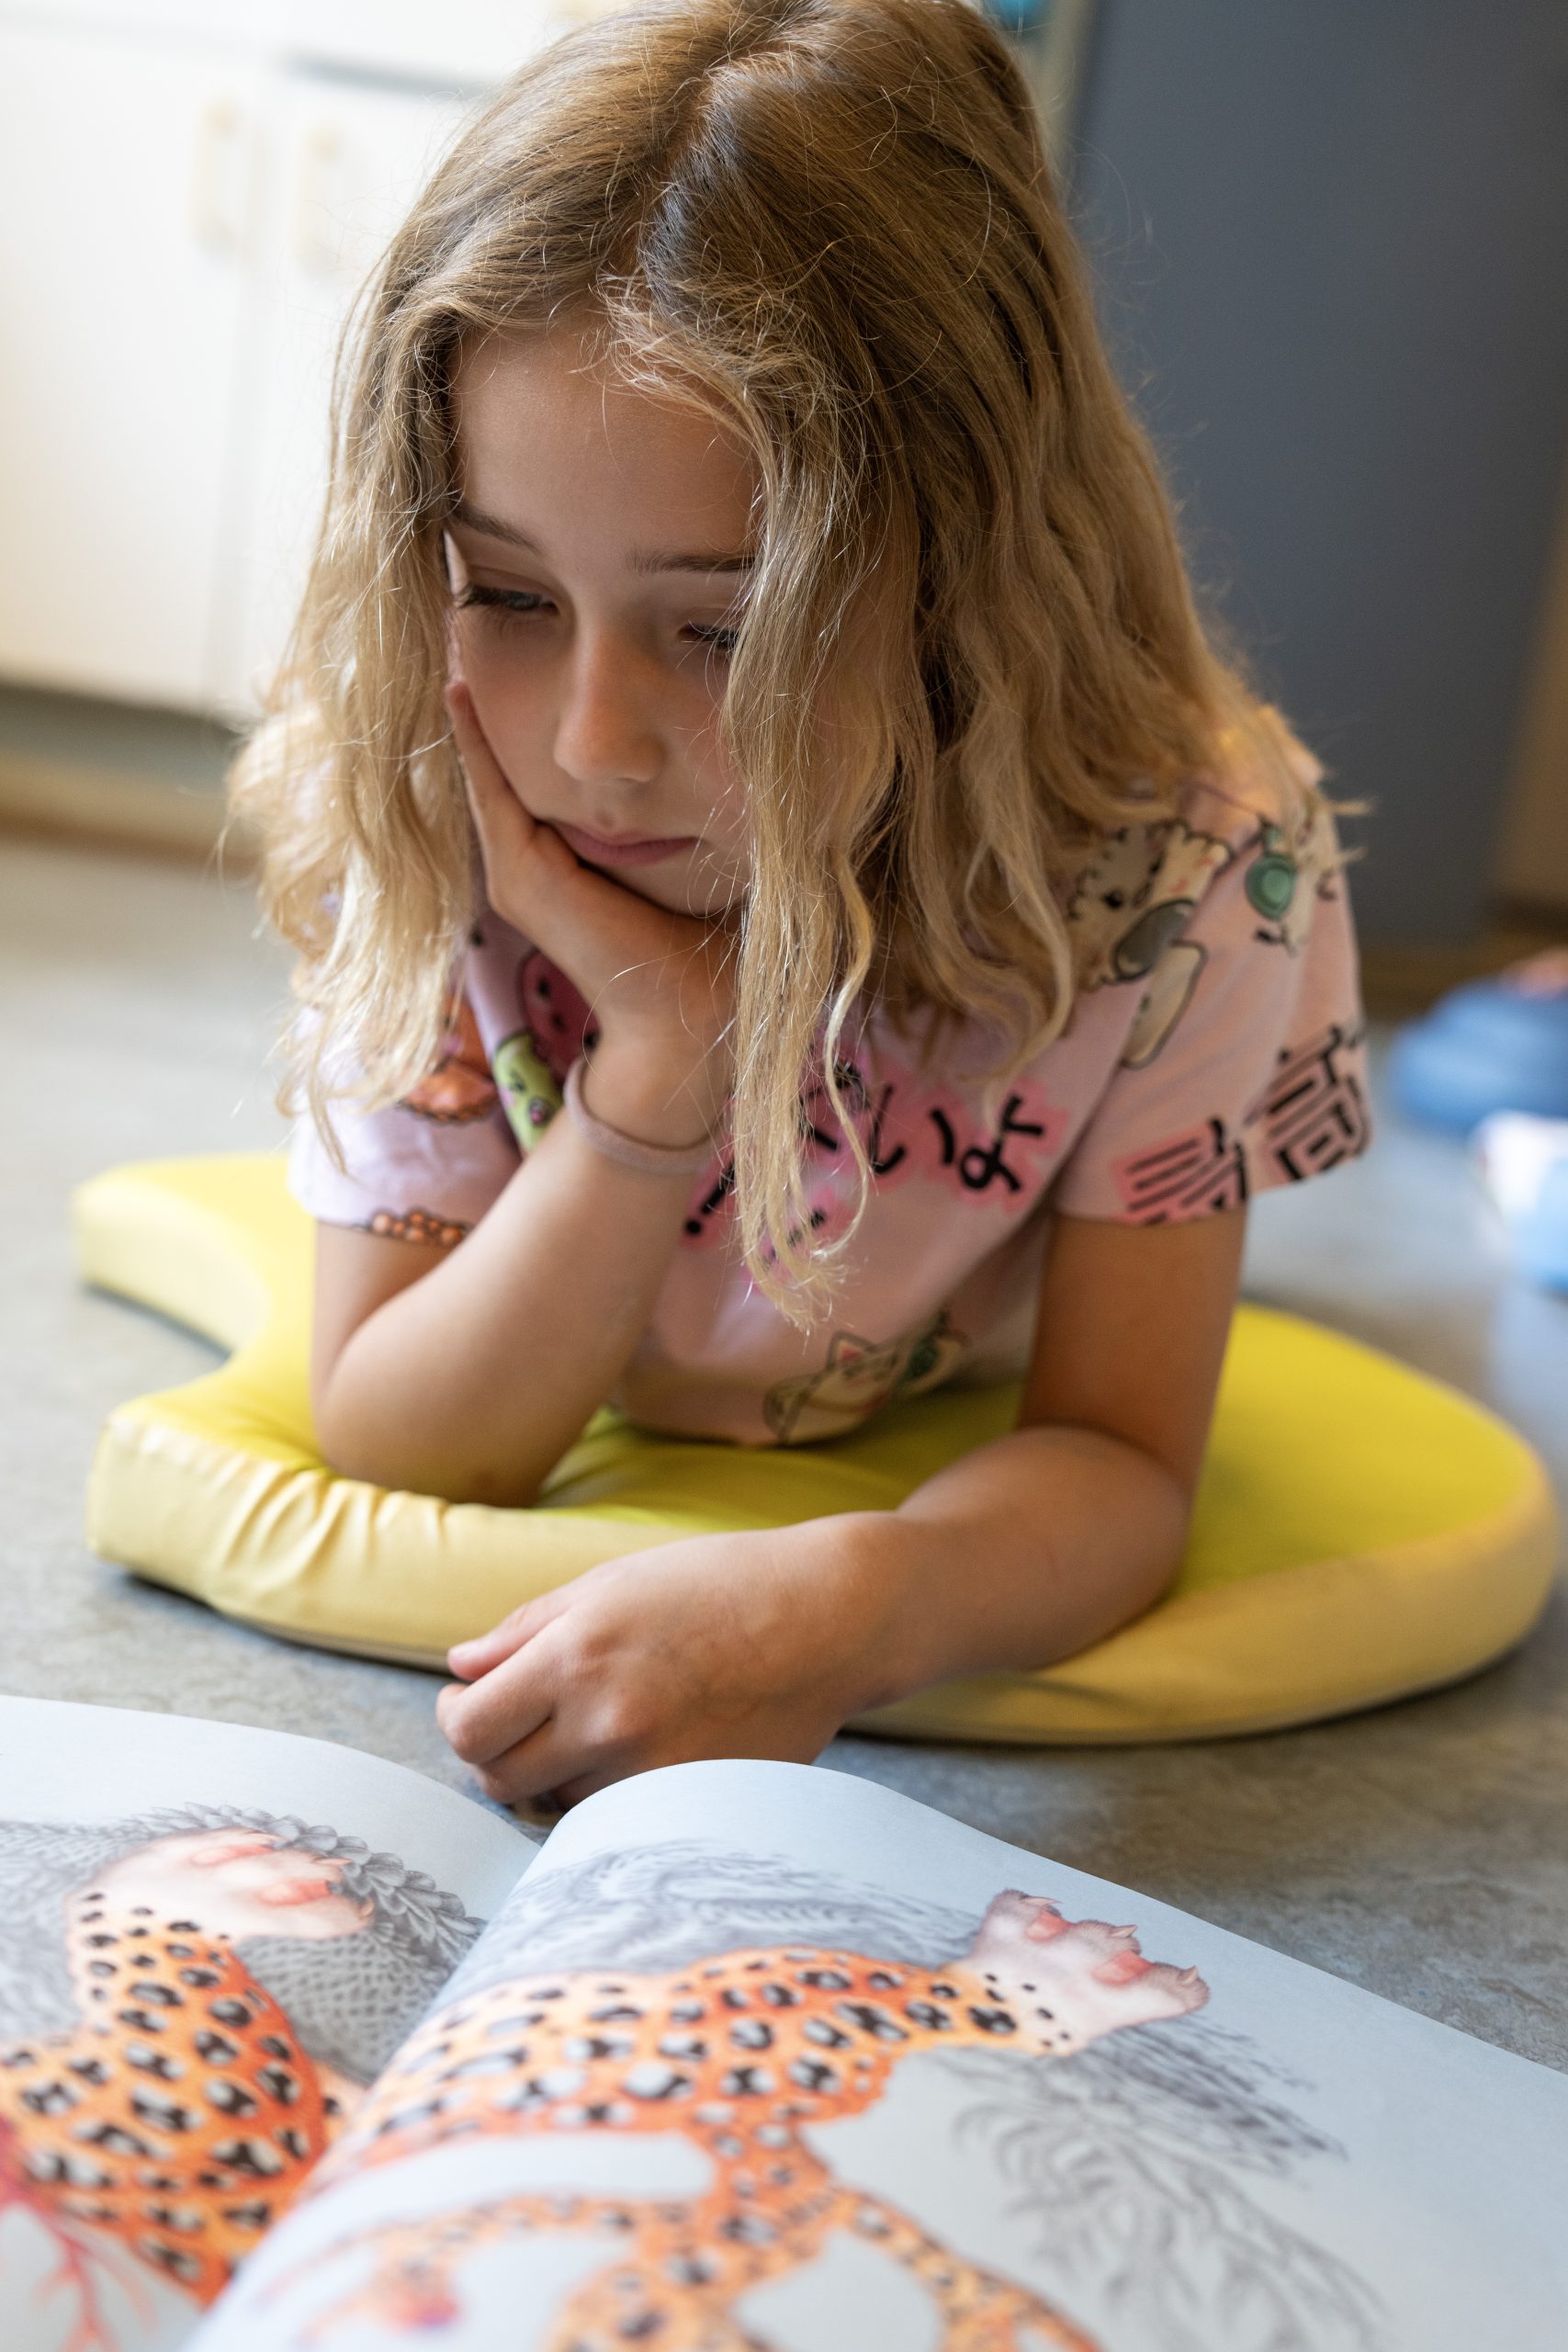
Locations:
597 852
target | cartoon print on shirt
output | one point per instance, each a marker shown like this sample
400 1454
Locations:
1196 1173
416 1224
908 1129
1288 876
1314 1113
1167 998
1311 1116
859 1377
986 1160
1135 895
1133 900
556 1016
529 1094
1271 879
460 1086
529 1063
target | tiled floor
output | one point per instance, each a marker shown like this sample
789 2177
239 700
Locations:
1421 1850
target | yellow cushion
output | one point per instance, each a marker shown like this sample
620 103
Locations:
1361 1532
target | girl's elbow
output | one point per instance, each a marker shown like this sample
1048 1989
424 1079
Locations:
376 1456
1168 1547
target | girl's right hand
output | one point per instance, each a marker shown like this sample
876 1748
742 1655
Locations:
661 985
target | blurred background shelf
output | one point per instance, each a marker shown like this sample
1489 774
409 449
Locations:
113 774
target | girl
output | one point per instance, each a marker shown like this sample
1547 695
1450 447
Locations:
792 909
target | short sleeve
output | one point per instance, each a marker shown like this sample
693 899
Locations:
424 1168
1244 1064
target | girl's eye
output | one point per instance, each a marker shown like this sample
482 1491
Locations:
517 602
722 640
504 600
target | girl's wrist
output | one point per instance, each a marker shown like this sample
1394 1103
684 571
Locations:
626 1090
861 1568
629 1150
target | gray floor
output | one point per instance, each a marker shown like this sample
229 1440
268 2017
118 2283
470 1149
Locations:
1419 1851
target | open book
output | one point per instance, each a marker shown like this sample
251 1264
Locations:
299 2048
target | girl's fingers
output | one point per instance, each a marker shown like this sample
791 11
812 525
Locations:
484 769
601 934
482 1651
549 1763
481 1720
527 865
504 825
531 874
471 1658
524 1726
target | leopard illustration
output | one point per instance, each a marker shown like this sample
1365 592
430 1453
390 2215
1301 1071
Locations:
191 2002
180 2117
745 2055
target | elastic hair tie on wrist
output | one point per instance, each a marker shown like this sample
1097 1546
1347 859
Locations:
648 1159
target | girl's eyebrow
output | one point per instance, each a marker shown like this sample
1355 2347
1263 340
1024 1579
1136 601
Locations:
492 526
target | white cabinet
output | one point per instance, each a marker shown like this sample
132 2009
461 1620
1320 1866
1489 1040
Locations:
344 161
127 187
187 209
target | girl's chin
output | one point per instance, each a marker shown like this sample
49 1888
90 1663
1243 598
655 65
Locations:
710 905
689 888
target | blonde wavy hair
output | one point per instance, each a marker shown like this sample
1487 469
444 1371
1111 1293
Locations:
829 223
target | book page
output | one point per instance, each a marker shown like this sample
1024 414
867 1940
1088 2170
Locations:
210 1941
767 2056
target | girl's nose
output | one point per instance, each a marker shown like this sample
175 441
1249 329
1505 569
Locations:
606 730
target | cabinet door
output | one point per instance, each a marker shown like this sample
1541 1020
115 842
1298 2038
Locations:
125 185
346 164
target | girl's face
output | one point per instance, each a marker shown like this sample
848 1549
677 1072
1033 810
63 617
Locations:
599 557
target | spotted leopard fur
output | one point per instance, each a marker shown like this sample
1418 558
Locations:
744 2055
178 2118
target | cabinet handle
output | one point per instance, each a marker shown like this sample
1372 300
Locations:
317 244
216 215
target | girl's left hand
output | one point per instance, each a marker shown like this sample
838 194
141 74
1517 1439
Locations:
756 1643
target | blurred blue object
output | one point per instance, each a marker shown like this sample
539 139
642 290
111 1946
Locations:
1019 16
1541 1236
1484 1047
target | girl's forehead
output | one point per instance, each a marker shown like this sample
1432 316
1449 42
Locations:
544 422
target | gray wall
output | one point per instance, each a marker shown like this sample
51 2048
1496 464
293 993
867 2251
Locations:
1331 240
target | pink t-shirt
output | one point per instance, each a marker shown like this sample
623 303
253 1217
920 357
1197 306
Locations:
1215 1049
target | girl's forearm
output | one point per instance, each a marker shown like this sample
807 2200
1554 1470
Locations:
472 1381
1017 1555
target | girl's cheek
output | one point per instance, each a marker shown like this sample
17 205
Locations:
729 829
723 876
486 664
505 708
